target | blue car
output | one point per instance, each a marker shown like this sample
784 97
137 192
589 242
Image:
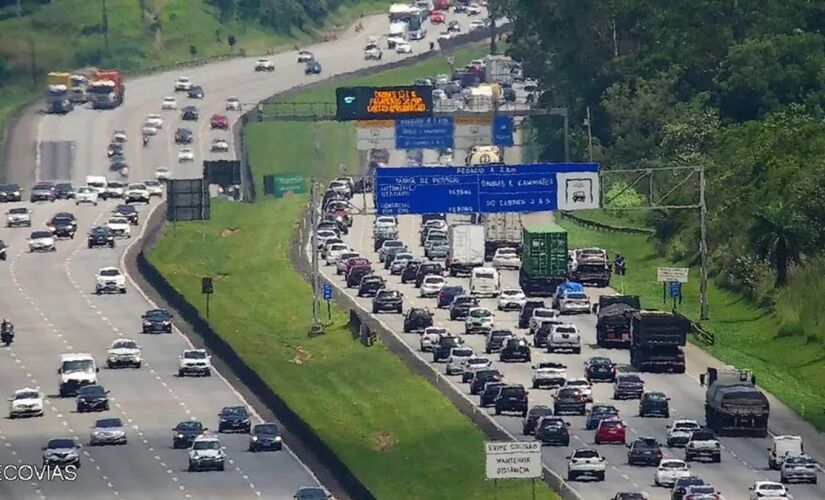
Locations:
599 413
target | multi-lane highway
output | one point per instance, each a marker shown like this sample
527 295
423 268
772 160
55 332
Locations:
50 298
744 460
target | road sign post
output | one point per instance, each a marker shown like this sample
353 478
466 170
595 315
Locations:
207 289
679 274
328 298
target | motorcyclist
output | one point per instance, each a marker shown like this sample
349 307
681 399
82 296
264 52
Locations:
619 265
6 331
145 139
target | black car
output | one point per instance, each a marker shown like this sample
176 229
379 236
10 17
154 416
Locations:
185 432
101 236
387 300
654 403
628 386
184 135
370 285
553 431
600 369
535 413
312 68
195 92
490 393
189 113
681 485
527 311
512 398
495 339
447 294
64 190
234 418
417 319
410 270
157 321
92 398
117 162
569 400
10 192
265 437
644 451
446 343
481 377
63 225
356 273
461 305
129 212
515 349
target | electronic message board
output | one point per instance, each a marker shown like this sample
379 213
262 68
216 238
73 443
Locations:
383 103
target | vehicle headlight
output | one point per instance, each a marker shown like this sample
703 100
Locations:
254 438
180 436
17 193
277 439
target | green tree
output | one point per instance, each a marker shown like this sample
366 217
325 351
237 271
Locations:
780 233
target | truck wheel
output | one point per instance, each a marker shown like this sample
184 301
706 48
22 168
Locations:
578 350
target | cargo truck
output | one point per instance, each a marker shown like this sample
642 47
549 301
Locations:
107 90
656 341
543 259
498 69
733 403
613 324
502 230
58 101
77 90
466 248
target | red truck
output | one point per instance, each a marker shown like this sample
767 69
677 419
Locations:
107 90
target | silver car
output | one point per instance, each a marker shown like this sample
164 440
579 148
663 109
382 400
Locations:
18 217
108 431
458 356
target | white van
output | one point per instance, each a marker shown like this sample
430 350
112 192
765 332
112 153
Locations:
783 447
98 182
484 281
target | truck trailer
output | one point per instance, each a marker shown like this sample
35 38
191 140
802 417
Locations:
733 403
614 313
543 260
503 230
466 248
656 341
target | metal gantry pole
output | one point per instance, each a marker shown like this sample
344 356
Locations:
703 248
317 327
589 135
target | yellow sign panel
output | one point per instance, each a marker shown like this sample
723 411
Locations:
375 123
473 120
400 101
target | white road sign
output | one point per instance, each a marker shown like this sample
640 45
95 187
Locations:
679 274
578 190
473 131
375 134
513 459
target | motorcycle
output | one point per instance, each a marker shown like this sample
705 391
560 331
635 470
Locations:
7 335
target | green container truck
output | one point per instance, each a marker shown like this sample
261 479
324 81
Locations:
543 260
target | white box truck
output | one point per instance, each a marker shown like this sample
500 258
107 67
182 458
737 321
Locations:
399 31
503 230
466 248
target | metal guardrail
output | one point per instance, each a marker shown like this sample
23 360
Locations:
185 64
607 227
696 329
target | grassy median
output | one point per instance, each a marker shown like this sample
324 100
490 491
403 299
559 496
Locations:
791 367
398 434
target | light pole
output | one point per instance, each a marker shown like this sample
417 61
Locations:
589 135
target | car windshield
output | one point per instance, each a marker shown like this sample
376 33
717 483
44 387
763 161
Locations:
108 423
596 410
206 445
478 361
388 294
544 313
434 280
672 464
21 210
190 426
109 272
157 314
238 411
194 355
630 378
487 276
124 344
462 353
645 443
92 390
656 396
480 313
566 329
512 392
578 383
686 425
586 454
116 184
569 393
400 256
600 361
325 233
611 424
64 186
772 487
61 221
798 461
688 481
55 444
27 395
78 365
9 188
266 429
41 234
707 490
393 244
511 293
507 252
702 436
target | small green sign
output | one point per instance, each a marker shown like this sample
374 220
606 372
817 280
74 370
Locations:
279 185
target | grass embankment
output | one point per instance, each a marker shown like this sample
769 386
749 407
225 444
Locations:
787 363
398 434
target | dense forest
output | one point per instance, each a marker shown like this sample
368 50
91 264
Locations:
736 86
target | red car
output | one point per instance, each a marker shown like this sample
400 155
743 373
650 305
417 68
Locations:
219 121
611 430
438 17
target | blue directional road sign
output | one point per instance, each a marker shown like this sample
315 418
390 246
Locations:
424 133
675 289
503 131
327 291
486 188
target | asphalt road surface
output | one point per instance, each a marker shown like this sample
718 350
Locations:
49 297
744 459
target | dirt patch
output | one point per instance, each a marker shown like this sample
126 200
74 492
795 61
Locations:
301 356
220 277
383 441
226 233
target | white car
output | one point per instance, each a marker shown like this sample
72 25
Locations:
195 362
540 314
219 146
564 337
479 320
154 120
136 192
372 52
473 9
574 303
169 102
549 374
110 280
115 189
477 24
186 154
472 365
335 252
162 174
679 432
585 462
154 187
119 136
264 65
149 130
385 221
403 47
26 402
393 41
341 187
233 104
669 470
18 216
583 385
511 299
341 264
430 338
506 258
42 241
86 194
323 235
458 356
183 84
124 352
432 285
120 227
305 56
399 262
206 453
